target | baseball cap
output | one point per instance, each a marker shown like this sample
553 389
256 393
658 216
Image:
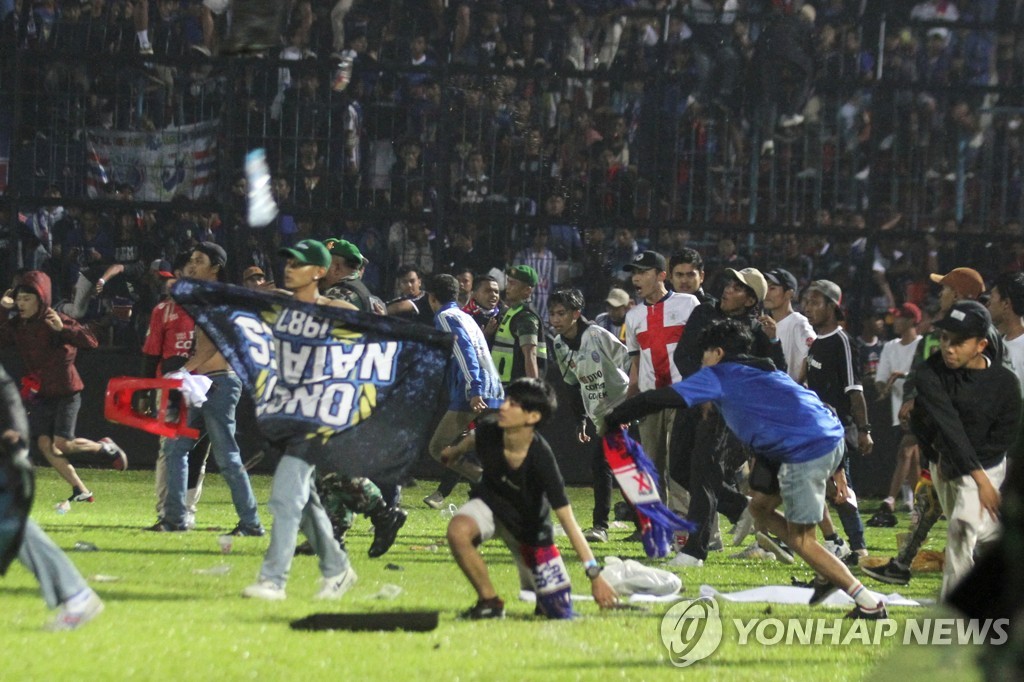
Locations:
646 260
214 251
907 311
752 279
162 268
966 319
525 274
829 290
967 282
617 298
343 248
783 278
308 252
252 271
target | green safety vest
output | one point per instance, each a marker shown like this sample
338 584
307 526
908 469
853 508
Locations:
506 346
928 344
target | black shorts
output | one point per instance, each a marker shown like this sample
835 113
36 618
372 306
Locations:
764 476
54 417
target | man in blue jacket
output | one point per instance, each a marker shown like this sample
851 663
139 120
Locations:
797 442
473 381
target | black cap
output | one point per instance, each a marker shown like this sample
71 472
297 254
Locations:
647 260
784 278
214 251
966 319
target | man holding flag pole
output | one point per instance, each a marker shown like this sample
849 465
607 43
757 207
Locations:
294 501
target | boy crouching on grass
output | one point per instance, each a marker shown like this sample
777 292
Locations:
797 442
513 500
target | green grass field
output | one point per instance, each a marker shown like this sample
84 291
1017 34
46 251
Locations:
165 621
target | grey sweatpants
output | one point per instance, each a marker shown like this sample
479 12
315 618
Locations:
295 505
58 578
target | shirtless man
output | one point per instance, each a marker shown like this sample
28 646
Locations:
216 417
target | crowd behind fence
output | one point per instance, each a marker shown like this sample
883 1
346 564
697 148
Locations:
869 143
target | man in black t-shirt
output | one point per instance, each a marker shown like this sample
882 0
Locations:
513 500
833 373
412 305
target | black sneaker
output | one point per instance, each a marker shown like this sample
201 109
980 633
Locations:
878 614
485 609
385 531
243 530
623 512
822 589
891 573
165 527
305 549
635 536
883 518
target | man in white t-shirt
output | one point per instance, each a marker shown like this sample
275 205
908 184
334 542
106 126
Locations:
894 364
1006 305
792 329
652 332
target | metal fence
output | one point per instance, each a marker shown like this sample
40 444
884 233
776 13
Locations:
424 158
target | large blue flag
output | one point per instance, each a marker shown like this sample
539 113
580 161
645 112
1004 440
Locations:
348 391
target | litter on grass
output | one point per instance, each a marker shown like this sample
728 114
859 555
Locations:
387 591
100 578
220 569
787 594
530 597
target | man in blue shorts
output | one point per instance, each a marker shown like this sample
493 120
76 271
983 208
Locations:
797 442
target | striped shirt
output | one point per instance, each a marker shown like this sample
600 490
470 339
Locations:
545 264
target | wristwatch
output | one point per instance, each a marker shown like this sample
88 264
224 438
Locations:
593 569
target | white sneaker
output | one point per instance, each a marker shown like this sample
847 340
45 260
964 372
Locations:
840 549
744 527
754 552
336 587
769 545
76 611
265 590
685 560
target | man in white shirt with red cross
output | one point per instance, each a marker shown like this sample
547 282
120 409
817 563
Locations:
652 332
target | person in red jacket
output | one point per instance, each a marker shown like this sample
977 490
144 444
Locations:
48 344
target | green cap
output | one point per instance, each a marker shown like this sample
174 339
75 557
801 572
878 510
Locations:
345 249
308 252
525 274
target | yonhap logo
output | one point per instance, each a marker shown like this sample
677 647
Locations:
691 631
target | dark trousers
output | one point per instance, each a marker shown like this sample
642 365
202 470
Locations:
701 448
849 515
604 482
449 479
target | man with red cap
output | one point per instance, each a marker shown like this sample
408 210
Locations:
894 365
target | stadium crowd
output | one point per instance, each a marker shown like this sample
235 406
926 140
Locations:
567 135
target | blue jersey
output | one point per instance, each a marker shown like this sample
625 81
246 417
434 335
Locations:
767 410
471 370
